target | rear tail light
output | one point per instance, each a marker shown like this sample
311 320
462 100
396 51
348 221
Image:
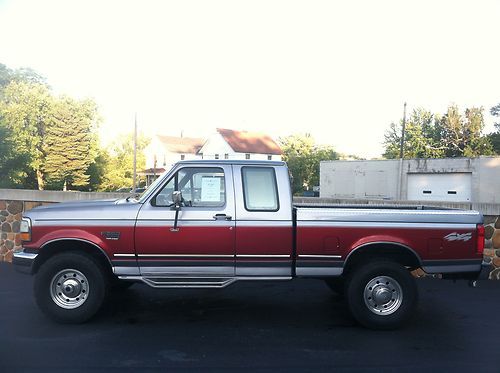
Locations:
480 239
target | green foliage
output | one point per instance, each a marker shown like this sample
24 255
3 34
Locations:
432 136
303 157
24 112
120 162
47 139
69 143
26 75
495 136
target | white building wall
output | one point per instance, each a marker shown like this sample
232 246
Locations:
359 179
164 158
380 178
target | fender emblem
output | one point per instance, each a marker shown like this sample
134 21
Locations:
458 237
111 235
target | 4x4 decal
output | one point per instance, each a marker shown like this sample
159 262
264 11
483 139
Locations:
458 237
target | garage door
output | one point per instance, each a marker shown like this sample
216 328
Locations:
440 187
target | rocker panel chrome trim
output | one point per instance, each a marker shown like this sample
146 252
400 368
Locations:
319 271
320 256
262 256
200 271
185 255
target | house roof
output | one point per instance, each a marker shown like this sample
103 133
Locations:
249 142
152 171
181 145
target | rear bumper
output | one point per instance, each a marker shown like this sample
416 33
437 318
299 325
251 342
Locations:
23 261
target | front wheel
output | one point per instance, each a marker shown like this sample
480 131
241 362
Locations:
70 287
382 295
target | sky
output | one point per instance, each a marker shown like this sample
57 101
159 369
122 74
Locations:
340 70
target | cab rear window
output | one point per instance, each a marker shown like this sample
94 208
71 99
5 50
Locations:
260 190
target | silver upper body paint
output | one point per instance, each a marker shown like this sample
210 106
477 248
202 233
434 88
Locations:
125 210
119 211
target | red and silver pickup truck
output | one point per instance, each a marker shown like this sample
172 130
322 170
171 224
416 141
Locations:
208 224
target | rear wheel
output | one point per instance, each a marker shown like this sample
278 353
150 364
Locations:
70 287
381 295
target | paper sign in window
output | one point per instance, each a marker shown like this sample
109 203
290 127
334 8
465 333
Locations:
210 189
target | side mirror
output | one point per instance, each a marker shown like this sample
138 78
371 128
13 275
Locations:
177 198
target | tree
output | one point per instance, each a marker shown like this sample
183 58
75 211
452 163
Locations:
495 136
119 170
46 139
24 112
303 157
69 143
421 137
23 74
432 136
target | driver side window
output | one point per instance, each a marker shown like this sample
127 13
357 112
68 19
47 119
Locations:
200 187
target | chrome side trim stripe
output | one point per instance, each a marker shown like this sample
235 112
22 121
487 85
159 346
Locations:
185 256
320 256
262 256
264 223
353 224
124 255
85 222
144 223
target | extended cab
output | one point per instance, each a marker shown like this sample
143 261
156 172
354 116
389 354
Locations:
208 224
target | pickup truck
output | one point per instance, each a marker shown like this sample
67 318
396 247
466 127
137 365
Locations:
208 224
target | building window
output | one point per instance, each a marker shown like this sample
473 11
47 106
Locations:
269 157
247 156
226 156
217 156
183 157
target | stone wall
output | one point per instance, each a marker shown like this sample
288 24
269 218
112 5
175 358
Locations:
10 221
492 244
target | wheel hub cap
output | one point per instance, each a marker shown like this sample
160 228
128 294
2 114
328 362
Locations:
383 295
69 288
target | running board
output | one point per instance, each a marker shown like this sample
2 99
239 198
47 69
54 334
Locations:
169 282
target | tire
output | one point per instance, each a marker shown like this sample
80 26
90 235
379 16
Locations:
336 284
70 287
382 295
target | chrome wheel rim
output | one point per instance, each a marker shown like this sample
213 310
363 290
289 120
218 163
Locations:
383 295
69 288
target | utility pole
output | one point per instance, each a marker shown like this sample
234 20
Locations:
135 154
401 155
401 146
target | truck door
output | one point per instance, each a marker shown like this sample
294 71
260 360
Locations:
264 229
203 243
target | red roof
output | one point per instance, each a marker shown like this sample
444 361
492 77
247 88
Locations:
152 171
181 145
249 142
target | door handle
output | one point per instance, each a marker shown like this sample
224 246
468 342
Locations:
222 217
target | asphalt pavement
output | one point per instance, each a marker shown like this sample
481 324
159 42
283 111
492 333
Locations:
297 325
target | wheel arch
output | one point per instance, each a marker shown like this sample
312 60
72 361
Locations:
60 245
393 251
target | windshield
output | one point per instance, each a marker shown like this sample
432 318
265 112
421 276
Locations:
144 195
